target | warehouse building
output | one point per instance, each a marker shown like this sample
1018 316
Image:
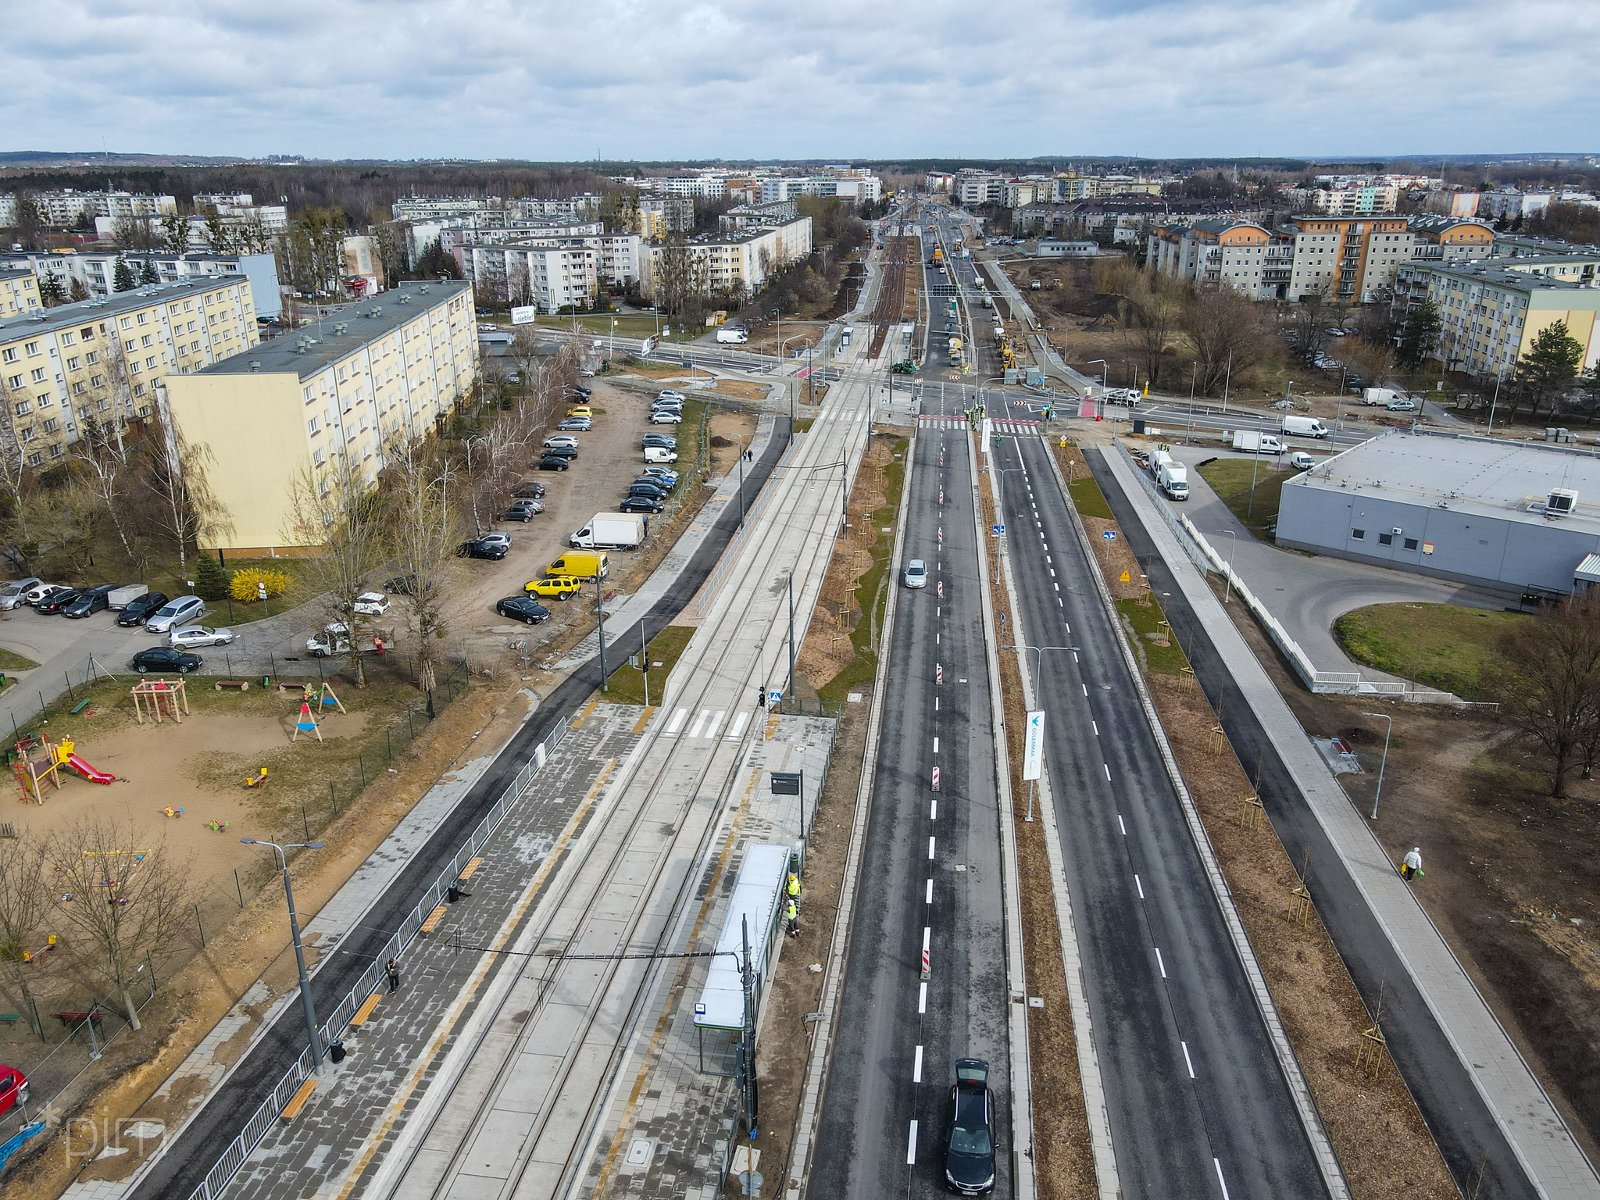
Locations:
1516 517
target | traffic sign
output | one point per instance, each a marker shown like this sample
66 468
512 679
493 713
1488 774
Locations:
774 696
999 529
1110 535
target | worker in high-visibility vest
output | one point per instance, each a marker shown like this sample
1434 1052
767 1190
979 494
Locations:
793 886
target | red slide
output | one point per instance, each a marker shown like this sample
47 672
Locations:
88 772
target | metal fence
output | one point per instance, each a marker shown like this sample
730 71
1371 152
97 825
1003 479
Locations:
265 1117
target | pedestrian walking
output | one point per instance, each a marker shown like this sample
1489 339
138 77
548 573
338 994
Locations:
393 967
791 916
1411 865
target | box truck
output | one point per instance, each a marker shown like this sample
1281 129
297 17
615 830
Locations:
611 531
1304 427
1252 442
582 564
1377 397
1173 479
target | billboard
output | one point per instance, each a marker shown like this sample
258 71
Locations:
524 314
1033 746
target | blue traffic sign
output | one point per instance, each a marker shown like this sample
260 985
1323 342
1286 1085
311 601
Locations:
1110 535
774 696
999 530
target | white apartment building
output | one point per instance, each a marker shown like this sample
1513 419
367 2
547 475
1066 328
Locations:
708 185
423 208
548 277
975 187
1355 200
384 370
743 261
96 270
68 207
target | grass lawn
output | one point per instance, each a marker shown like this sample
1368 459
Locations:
626 685
1088 499
1230 479
1145 615
15 662
629 325
1442 645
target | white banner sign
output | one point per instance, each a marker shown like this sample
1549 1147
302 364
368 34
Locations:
524 314
1033 746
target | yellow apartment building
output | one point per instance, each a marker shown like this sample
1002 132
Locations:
19 292
350 388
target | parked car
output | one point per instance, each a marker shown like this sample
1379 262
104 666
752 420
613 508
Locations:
188 637
969 1152
560 439
13 1088
57 601
666 418
523 510
528 489
481 548
185 610
639 504
401 585
1401 405
371 604
669 394
652 490
576 425
90 601
138 611
52 592
666 406
568 452
553 462
12 593
659 454
580 410
666 485
38 592
666 474
558 586
496 539
581 389
664 440
522 608
165 658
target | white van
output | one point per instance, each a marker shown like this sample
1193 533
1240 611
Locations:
737 334
659 454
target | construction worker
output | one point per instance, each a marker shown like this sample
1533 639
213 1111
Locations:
791 917
793 886
1411 865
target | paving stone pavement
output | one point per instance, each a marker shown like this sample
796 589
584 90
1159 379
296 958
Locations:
361 1102
669 1135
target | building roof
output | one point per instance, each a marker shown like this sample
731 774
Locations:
1436 223
1486 271
1509 481
65 316
14 272
305 351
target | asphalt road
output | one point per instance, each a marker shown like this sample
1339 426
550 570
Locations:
185 1162
931 870
1197 1103
1465 1131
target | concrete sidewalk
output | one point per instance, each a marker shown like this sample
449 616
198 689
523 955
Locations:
1507 1088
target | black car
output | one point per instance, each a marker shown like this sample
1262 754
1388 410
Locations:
521 511
578 389
639 504
136 610
969 1154
660 481
165 658
522 608
90 600
46 597
654 491
528 490
553 462
560 452
57 601
661 441
401 585
479 548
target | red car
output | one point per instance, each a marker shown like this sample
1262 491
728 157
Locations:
13 1088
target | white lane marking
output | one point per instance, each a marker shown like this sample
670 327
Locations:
1047 560
933 810
694 730
911 1147
930 847
1060 603
737 727
922 998
929 900
936 745
1095 725
1052 572
936 704
1107 770
1046 544
1057 586
1121 826
1074 656
1138 885
936 638
927 935
677 720
716 724
1085 688
936 610
1187 1061
1221 1182
1160 962
1069 626
916 1067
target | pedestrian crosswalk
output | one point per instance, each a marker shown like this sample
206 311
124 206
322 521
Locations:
706 723
1016 426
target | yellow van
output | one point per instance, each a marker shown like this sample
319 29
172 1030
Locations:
584 564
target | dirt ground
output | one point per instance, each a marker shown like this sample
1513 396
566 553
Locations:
1511 878
764 338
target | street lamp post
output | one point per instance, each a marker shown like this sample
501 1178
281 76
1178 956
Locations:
791 388
600 616
1038 666
1232 546
313 1038
1384 763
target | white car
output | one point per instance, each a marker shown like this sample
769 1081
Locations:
561 439
665 417
187 637
669 394
1401 405
37 593
496 539
372 604
916 574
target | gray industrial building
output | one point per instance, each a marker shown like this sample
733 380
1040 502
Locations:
1519 517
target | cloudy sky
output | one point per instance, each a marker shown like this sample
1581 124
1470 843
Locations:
652 79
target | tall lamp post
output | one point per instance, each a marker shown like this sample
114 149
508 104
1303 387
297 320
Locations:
792 390
1384 763
313 1039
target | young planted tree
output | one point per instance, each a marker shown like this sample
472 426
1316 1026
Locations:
175 233
26 896
1550 690
1419 335
333 508
51 290
424 529
118 898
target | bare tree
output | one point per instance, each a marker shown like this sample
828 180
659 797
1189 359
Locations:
174 492
1550 690
425 530
134 234
1229 336
25 899
107 467
333 508
119 897
175 233
1148 310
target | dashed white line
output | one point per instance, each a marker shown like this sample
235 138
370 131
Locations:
1095 725
677 720
1052 572
694 730
936 704
922 998
916 1066
1138 885
930 847
936 745
1221 1182
929 900
1121 826
1187 1061
1104 767
911 1147
1160 962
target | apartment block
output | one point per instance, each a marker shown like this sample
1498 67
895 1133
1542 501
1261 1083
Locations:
1214 252
19 292
96 270
105 358
348 390
553 273
743 261
68 207
1353 200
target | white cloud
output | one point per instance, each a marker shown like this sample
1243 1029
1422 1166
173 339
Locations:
639 79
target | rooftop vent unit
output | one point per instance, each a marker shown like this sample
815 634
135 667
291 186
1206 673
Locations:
255 364
1561 503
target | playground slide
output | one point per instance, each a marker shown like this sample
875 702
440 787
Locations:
88 772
